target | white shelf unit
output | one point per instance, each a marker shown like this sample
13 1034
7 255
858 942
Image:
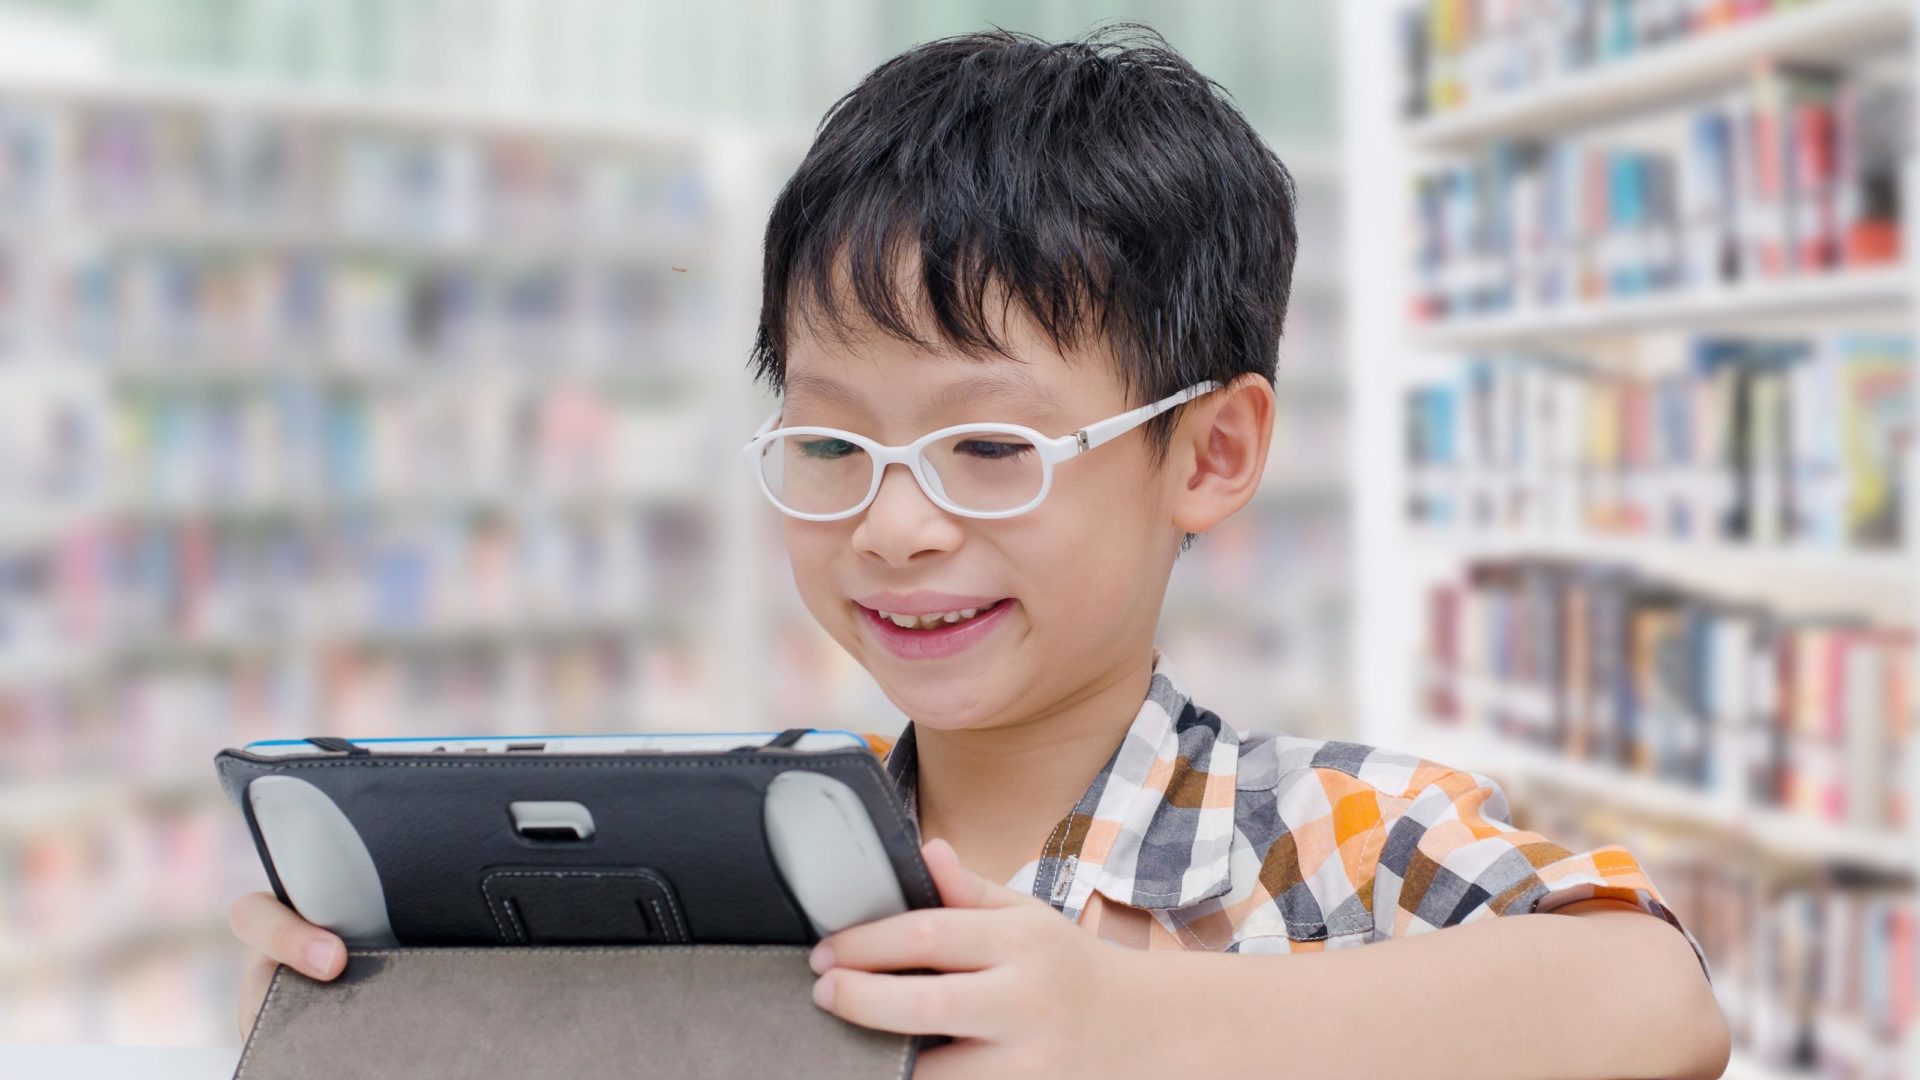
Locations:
1396 559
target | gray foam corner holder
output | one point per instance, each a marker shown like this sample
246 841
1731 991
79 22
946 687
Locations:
700 1011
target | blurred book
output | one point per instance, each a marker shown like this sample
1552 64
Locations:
1816 971
1794 174
1463 53
1808 714
1765 441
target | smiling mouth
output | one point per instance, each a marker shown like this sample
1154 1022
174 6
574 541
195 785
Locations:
936 620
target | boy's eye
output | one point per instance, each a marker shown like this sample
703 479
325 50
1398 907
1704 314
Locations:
827 449
993 449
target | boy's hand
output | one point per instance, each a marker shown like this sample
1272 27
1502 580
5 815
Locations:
275 936
1022 991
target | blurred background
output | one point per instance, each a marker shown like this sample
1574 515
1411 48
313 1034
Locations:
377 367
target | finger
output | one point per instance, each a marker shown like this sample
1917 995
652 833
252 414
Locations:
957 1005
945 939
268 926
254 980
962 888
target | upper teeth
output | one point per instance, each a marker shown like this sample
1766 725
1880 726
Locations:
929 620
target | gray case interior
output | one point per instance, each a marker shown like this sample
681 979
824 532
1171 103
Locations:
703 1011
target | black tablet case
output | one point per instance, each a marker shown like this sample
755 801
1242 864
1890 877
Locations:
673 907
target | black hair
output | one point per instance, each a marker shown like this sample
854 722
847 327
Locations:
1103 183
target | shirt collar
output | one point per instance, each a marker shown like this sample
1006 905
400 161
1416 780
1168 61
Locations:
1155 827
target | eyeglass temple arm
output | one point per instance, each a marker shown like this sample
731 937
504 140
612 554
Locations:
1105 430
772 419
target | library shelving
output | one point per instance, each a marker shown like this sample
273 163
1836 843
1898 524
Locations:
1631 497
325 412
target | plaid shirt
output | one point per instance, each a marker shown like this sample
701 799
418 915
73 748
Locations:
1192 837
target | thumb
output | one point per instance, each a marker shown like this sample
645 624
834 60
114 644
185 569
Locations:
962 888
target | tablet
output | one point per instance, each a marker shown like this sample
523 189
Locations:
696 838
675 741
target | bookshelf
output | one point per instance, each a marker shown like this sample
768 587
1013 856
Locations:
488 489
1692 820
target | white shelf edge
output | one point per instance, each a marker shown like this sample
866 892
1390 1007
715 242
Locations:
1818 31
1780 833
666 239
1881 288
1892 566
400 109
72 665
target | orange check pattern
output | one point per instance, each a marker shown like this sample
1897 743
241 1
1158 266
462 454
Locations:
1194 837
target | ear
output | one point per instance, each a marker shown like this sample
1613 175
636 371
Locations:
1219 452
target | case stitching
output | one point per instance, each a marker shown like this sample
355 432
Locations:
486 883
513 916
679 919
494 915
273 987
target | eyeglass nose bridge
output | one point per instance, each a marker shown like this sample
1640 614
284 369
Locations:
924 475
930 481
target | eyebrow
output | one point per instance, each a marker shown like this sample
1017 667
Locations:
1009 386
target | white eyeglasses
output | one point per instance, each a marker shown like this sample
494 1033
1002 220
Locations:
974 470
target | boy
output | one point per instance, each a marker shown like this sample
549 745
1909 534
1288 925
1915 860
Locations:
1083 250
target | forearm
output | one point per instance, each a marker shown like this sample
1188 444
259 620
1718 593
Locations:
1605 993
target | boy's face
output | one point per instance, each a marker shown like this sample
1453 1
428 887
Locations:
1071 590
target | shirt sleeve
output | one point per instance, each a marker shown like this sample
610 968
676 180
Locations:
1452 855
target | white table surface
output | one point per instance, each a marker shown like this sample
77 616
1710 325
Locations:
33 1062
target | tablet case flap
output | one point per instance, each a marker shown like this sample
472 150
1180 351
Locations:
705 1011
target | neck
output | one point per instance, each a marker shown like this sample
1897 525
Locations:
996 793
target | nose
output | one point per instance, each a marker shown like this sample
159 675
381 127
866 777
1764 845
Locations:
902 522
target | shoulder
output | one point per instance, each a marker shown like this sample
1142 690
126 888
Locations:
1321 812
1312 819
1278 763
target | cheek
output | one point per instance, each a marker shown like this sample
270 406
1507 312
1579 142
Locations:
1094 537
811 547
1123 495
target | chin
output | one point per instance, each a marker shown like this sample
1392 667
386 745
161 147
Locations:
952 704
